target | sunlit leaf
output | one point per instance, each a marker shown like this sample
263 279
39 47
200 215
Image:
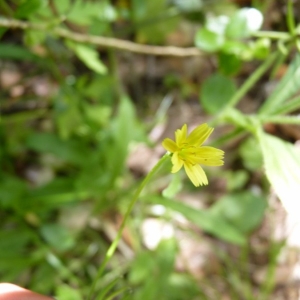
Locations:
243 22
209 41
89 57
282 163
243 210
207 221
288 86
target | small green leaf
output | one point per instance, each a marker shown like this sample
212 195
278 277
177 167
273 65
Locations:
57 236
89 57
10 51
229 64
251 154
245 21
215 93
174 187
65 292
27 8
282 163
287 87
70 151
205 220
261 48
243 210
208 41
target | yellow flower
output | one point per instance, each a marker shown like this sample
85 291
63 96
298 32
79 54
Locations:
188 152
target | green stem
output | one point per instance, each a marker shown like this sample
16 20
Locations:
250 82
290 18
114 244
272 35
280 119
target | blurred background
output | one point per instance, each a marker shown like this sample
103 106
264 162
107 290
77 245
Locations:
88 91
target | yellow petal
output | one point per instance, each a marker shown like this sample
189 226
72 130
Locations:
198 136
209 156
196 174
177 163
169 145
180 135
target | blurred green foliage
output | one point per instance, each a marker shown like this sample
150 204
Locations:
64 176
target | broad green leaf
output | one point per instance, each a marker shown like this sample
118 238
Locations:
215 93
208 40
288 87
207 221
243 211
282 164
89 57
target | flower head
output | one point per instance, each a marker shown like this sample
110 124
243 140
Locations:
188 152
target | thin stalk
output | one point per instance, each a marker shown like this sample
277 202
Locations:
114 244
274 35
250 82
290 18
280 119
288 107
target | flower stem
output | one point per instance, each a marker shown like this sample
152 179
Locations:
114 244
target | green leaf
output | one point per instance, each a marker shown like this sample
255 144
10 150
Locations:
10 51
288 87
98 114
282 164
89 57
243 22
251 154
174 187
207 221
27 8
65 292
152 20
70 151
57 236
12 190
125 128
261 48
208 40
229 64
215 93
244 210
85 12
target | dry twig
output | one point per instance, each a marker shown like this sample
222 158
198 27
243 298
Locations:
106 42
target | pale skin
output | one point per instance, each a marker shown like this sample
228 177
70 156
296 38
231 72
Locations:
9 291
